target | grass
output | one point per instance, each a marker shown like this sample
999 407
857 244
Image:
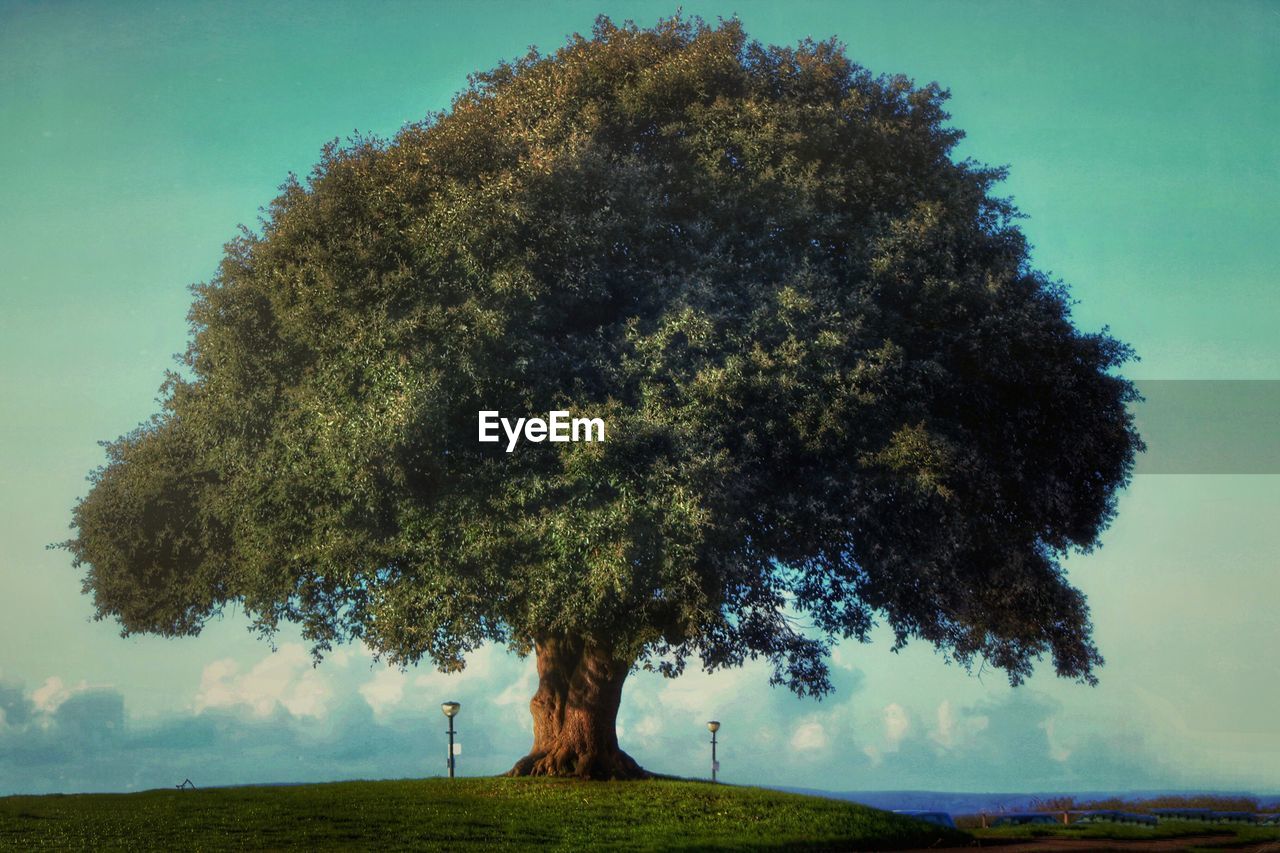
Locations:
1232 835
461 814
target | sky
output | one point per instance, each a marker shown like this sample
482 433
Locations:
1140 138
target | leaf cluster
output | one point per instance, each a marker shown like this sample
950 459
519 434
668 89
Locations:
836 390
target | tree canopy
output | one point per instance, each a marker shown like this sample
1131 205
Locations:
837 391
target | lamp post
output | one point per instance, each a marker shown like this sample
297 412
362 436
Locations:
713 726
450 710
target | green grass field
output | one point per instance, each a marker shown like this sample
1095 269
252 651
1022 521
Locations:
462 814
1231 835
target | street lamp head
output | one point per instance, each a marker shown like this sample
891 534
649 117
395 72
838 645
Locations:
450 708
714 725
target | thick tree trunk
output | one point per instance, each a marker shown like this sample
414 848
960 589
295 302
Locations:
574 712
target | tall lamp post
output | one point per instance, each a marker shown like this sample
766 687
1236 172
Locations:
450 710
714 726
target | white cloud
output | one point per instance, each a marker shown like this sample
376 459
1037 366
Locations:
486 667
945 733
48 696
955 731
896 725
706 696
342 657
1056 750
648 728
385 690
810 737
284 679
844 655
519 691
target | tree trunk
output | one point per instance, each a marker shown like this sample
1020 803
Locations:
574 712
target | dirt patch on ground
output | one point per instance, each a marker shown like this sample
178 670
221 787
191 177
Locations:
1050 844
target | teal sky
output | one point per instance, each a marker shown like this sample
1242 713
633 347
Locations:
1141 139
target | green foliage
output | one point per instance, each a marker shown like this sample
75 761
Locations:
1195 835
466 814
1217 802
835 388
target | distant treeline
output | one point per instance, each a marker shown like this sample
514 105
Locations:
1220 803
1067 803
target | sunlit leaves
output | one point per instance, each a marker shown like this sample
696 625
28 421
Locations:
835 390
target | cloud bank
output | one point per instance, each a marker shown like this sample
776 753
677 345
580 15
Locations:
279 719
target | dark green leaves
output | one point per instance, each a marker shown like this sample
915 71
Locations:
835 389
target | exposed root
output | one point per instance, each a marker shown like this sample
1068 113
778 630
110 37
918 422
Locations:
613 765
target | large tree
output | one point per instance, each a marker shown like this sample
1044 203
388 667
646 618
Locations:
835 390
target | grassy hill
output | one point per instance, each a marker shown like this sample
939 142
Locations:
466 814
1193 835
